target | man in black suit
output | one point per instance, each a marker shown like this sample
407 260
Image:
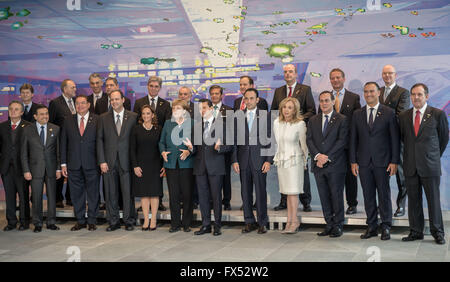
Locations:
40 159
424 132
250 160
11 167
208 149
307 109
185 94
59 109
103 104
26 95
160 106
220 110
246 82
78 159
346 103
327 137
113 140
374 155
96 84
397 98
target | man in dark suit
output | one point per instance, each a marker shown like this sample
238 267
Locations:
185 94
103 104
208 148
424 132
346 103
26 95
220 110
160 106
113 140
96 84
246 82
41 164
308 109
374 155
78 159
11 167
250 160
59 109
327 137
397 98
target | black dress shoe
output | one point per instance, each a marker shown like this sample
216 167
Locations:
60 205
174 229
412 237
129 227
217 231
326 232
227 207
281 206
78 226
139 209
385 234
52 227
351 210
369 234
161 207
262 230
249 228
113 227
186 229
399 212
336 232
9 227
37 229
307 208
23 227
439 240
203 230
102 207
92 227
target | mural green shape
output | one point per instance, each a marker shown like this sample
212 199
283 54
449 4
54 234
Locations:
280 50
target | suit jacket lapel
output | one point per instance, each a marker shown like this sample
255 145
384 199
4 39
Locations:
49 134
344 102
124 121
331 123
377 116
425 119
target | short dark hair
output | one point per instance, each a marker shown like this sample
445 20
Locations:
374 83
82 96
113 79
64 83
250 80
16 102
40 107
216 87
118 90
252 89
425 88
338 70
210 104
327 92
26 86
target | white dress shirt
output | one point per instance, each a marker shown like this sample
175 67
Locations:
120 116
374 113
38 125
422 112
293 88
86 117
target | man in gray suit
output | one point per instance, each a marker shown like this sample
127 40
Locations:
113 135
41 163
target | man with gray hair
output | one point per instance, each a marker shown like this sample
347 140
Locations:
96 84
185 94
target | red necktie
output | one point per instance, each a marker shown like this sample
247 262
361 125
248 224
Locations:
242 104
417 122
82 126
290 91
14 127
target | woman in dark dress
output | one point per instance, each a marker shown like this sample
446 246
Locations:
147 164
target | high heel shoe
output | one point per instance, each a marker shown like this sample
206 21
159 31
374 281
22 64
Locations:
293 228
146 228
152 228
286 228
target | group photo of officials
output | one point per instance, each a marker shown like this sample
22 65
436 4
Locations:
108 155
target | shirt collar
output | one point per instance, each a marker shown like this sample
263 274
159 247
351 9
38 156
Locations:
29 105
150 99
391 87
422 110
251 111
342 92
86 116
17 123
210 120
219 105
98 94
376 107
39 125
116 113
293 86
329 115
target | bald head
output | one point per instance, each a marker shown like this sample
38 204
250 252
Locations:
184 93
389 75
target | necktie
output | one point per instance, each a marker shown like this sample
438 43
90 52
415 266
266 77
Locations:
42 135
26 109
250 120
95 100
118 125
290 91
325 125
82 126
417 122
242 104
109 104
14 126
152 104
72 109
387 90
215 111
338 102
371 118
206 129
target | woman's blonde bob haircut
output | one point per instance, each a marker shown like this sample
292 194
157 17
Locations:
297 116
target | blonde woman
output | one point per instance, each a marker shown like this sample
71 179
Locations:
291 157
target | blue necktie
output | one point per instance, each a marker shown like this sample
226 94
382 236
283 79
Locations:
325 124
42 135
250 121
371 118
205 129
